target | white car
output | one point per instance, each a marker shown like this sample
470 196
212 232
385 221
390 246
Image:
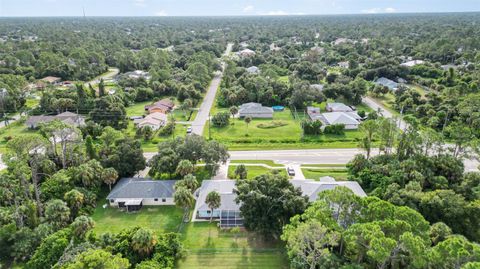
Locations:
291 171
189 130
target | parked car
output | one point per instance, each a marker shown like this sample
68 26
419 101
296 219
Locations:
291 171
189 130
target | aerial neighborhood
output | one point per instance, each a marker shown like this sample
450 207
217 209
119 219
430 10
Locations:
342 141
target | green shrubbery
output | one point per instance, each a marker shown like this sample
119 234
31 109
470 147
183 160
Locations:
271 124
337 129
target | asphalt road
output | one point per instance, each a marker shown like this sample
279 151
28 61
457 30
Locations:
387 114
203 113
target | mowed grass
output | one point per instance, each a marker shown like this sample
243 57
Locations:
13 130
266 162
315 174
239 132
156 218
253 171
207 246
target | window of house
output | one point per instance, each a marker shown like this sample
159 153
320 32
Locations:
156 199
112 201
208 212
164 200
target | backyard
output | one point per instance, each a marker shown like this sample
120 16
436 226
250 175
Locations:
205 244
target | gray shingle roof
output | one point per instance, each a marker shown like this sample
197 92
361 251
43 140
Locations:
392 85
141 188
254 108
224 188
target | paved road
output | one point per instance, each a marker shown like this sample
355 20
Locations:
112 72
203 113
386 113
13 119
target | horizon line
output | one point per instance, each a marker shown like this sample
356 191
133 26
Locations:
240 15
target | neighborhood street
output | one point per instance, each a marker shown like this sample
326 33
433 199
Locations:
386 113
203 113
112 72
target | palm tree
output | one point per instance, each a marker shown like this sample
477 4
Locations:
189 182
183 198
213 201
82 225
248 119
86 175
185 167
143 241
75 200
368 129
240 171
233 111
109 176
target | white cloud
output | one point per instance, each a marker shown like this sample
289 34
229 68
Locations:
379 10
248 8
161 13
139 3
390 10
280 13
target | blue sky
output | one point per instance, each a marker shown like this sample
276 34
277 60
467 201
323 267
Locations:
226 7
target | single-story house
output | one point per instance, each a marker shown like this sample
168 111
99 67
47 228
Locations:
51 80
133 193
318 87
65 117
412 63
344 64
228 213
338 107
392 85
341 40
163 106
253 70
255 110
138 74
246 53
155 121
312 188
351 120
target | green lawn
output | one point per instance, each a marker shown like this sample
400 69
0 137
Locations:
267 162
320 165
13 130
156 218
137 109
388 101
237 131
253 171
209 247
315 174
205 244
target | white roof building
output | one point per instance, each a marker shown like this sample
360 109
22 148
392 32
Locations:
154 120
338 107
246 53
351 120
412 63
312 188
253 70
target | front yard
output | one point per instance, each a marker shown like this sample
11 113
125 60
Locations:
255 170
